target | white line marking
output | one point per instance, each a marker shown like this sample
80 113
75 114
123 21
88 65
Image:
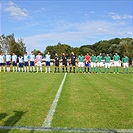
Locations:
48 120
65 129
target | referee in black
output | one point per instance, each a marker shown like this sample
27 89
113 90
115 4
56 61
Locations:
72 61
64 62
57 61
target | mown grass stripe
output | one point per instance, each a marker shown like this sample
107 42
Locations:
49 117
32 128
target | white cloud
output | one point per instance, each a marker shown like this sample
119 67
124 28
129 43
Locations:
120 17
92 12
130 33
16 12
82 33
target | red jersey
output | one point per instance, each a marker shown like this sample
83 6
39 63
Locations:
87 58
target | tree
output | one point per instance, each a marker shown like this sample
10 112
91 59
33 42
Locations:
127 48
59 48
9 44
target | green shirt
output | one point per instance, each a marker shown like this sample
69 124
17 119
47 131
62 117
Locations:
99 58
93 58
107 59
125 59
116 57
81 58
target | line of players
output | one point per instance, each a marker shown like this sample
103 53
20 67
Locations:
86 63
94 63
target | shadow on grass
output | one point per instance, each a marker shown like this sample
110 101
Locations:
11 121
3 116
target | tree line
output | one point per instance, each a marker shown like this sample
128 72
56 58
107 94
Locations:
121 46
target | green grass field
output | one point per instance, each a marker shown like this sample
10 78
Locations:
101 101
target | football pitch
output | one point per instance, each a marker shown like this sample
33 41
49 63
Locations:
60 102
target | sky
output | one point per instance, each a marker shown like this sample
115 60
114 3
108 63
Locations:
41 23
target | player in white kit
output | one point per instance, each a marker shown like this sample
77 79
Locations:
32 62
2 62
14 62
39 61
26 64
8 61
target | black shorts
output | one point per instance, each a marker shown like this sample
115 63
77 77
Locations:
64 63
20 64
72 63
14 63
56 63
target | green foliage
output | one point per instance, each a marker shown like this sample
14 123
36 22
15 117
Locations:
36 52
59 48
9 44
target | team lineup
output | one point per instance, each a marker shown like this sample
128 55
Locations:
86 64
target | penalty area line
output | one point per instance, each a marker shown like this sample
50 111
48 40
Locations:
49 117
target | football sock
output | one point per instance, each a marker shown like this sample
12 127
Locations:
88 69
85 69
79 69
82 69
66 69
41 69
74 69
70 69
63 69
4 69
31 69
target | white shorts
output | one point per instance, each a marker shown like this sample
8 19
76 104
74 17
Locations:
39 64
93 64
81 64
125 65
116 63
99 64
107 65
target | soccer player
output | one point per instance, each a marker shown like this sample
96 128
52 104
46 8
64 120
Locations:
32 62
99 63
125 61
116 60
57 61
87 62
8 61
39 61
107 63
81 63
14 62
72 62
64 62
93 63
26 64
2 62
47 56
20 60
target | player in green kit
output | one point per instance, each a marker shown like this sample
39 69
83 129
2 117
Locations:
81 63
116 59
99 63
93 60
125 61
107 63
